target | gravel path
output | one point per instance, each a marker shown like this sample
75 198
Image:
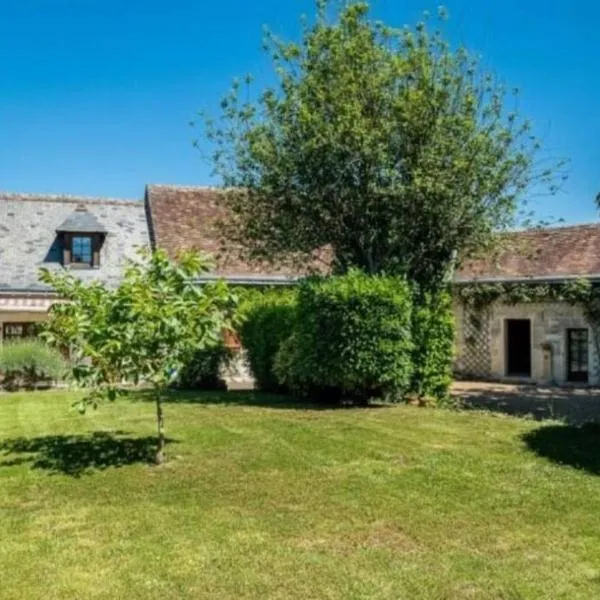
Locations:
574 405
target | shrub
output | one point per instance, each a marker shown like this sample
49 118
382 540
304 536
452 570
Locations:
203 370
352 338
27 363
433 338
266 321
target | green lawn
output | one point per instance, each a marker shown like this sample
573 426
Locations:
263 500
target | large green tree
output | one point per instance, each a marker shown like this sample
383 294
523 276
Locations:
144 330
393 150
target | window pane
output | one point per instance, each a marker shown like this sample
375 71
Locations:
578 358
81 249
13 331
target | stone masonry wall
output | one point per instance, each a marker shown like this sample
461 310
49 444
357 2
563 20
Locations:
481 348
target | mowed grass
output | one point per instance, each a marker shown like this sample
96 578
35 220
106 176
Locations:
261 499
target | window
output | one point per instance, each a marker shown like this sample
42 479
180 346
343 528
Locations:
15 331
81 250
82 236
577 355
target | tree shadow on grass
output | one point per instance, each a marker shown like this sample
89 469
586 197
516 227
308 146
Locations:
248 398
78 455
569 445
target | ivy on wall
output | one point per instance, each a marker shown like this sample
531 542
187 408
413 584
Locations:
478 297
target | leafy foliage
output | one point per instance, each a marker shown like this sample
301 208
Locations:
267 320
397 152
27 363
479 295
580 292
433 339
146 329
352 338
202 371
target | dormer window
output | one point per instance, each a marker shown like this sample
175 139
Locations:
82 237
82 250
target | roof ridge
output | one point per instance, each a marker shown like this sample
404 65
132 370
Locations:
66 198
562 227
175 186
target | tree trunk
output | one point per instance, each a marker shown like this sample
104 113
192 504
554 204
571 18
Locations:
160 421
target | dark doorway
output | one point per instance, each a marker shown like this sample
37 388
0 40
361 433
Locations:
518 347
577 355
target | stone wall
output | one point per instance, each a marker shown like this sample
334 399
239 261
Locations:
481 348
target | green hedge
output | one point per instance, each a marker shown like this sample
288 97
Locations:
29 363
267 319
203 370
352 339
433 338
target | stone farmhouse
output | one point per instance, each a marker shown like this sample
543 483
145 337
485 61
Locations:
547 342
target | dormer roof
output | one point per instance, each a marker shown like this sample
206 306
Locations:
81 220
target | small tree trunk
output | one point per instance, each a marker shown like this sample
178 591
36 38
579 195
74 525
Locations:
160 421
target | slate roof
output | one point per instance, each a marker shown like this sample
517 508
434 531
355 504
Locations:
186 218
177 218
552 253
81 220
28 238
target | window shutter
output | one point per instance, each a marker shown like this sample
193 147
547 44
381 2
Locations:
96 243
66 249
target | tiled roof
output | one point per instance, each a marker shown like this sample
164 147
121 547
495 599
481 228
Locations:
81 220
186 218
177 218
552 253
28 238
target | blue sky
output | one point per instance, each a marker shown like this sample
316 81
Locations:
97 94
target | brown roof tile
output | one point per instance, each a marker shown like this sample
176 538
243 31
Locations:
185 218
557 252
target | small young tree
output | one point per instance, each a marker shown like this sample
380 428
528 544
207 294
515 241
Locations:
142 331
396 151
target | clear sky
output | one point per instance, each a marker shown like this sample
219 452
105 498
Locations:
96 95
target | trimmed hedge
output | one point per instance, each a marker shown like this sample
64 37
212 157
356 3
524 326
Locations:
352 339
29 363
203 370
433 338
267 320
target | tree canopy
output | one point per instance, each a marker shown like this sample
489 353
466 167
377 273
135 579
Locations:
144 330
394 150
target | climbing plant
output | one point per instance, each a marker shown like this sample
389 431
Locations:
478 297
